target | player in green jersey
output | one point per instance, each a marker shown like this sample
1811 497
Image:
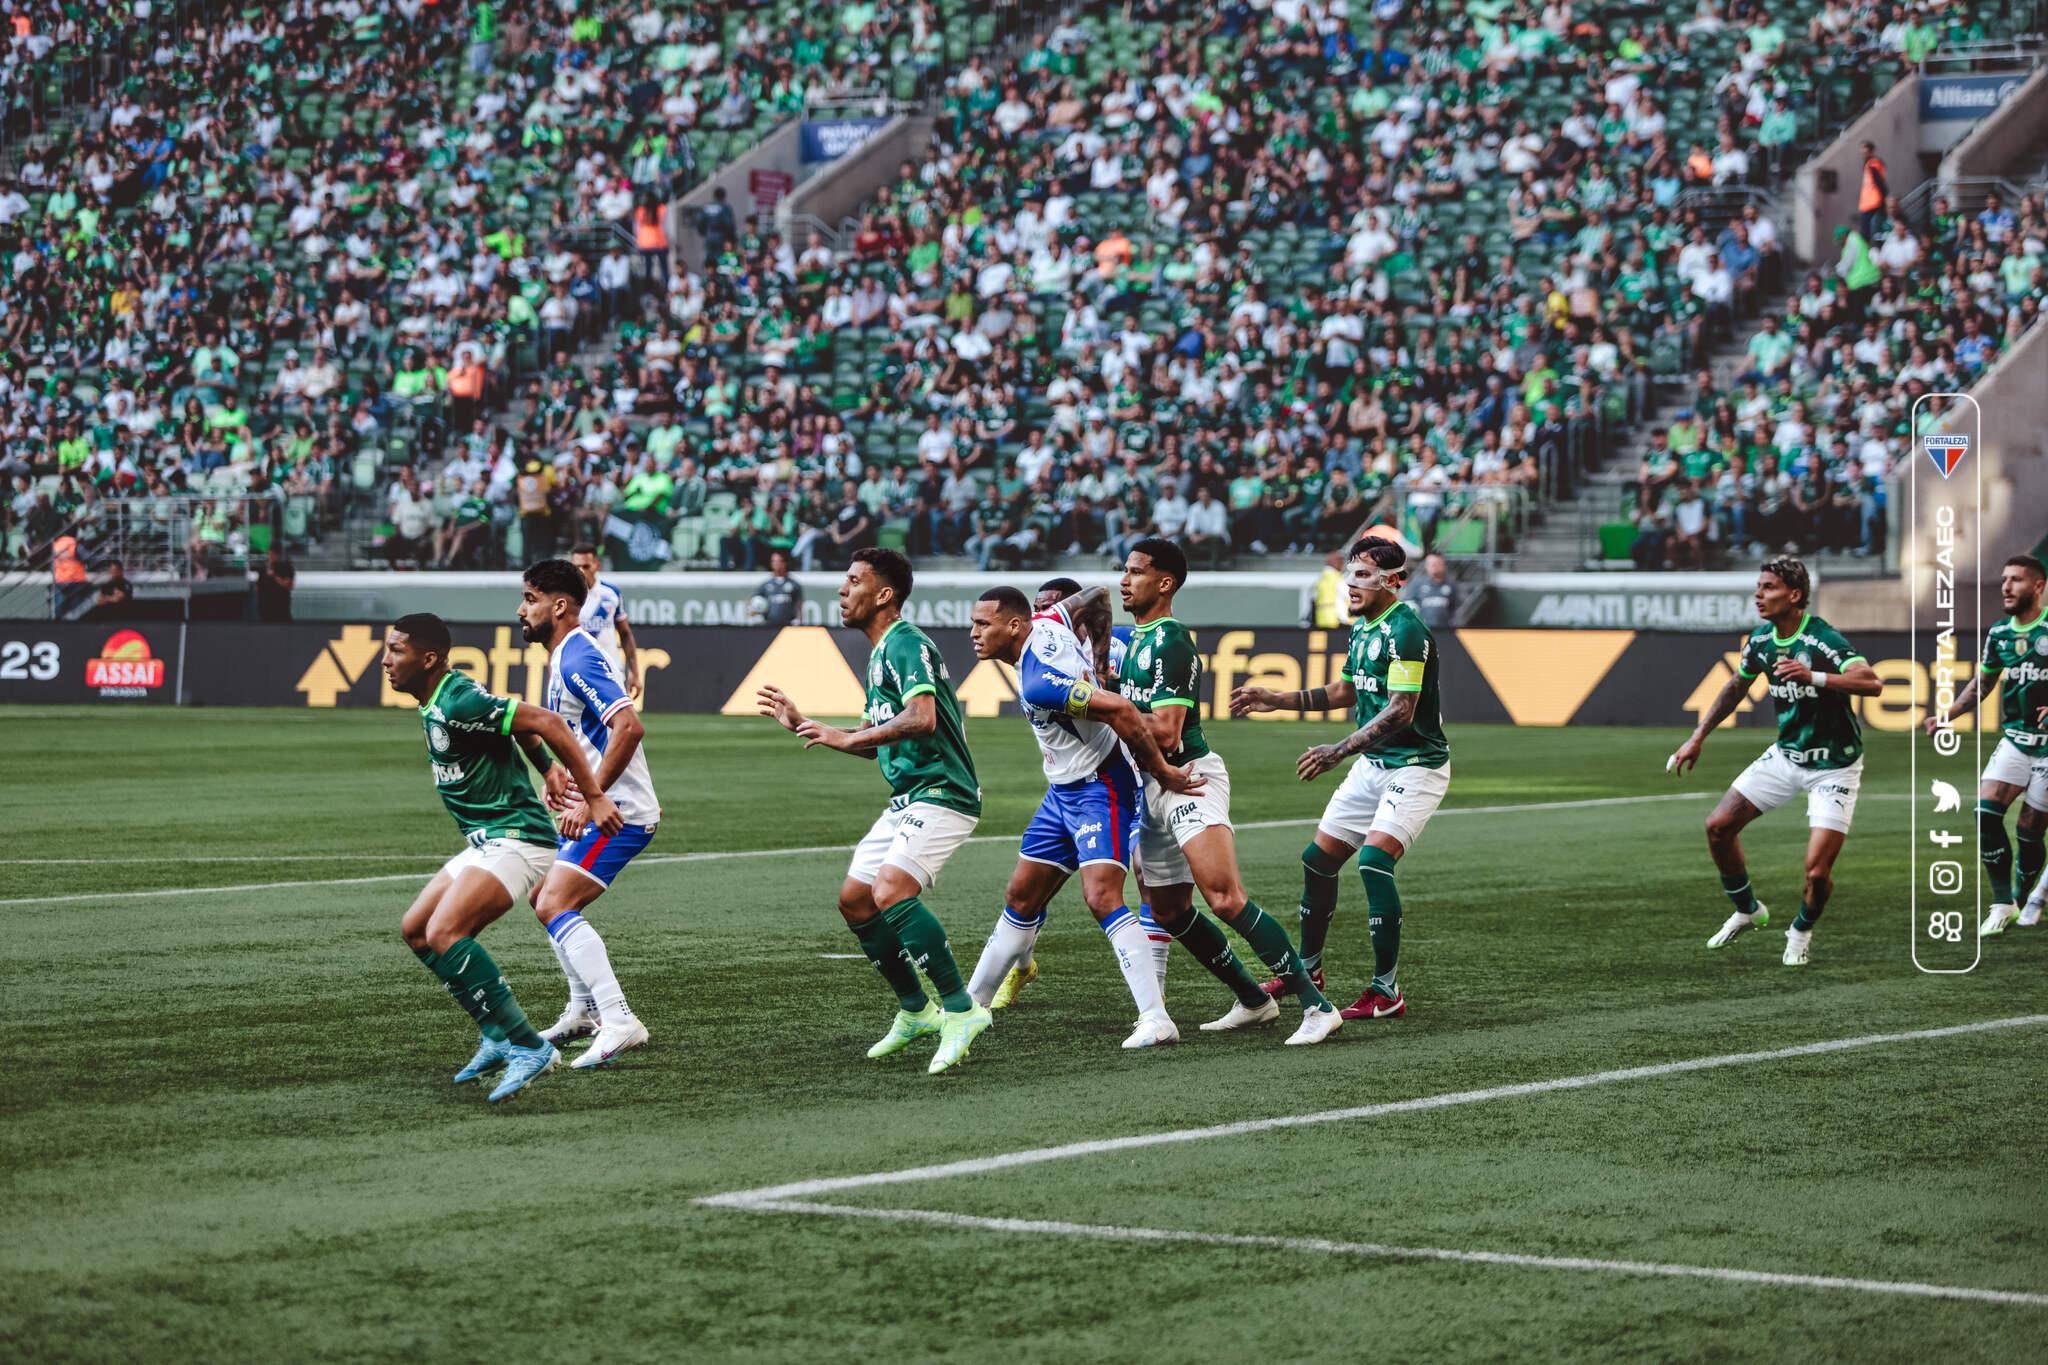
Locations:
1403 769
473 742
1813 673
1185 842
2016 657
913 726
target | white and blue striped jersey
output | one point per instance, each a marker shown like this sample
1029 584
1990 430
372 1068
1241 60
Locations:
602 607
585 689
1055 679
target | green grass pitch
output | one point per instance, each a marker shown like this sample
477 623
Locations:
227 1132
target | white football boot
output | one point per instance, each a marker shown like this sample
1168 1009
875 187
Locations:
1738 924
1997 918
611 1040
1153 1031
576 1022
2036 903
1265 1012
1316 1025
1798 942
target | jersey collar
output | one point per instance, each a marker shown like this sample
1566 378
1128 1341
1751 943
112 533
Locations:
1383 615
1797 630
2034 624
435 695
1152 625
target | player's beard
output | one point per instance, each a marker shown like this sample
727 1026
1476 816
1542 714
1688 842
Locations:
530 635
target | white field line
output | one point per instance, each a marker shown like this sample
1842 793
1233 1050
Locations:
1325 1247
720 855
806 1189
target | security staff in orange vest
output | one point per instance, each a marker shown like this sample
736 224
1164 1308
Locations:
1870 200
650 236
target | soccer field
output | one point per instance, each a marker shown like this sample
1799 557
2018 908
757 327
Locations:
229 1134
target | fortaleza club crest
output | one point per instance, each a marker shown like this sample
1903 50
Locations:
1946 451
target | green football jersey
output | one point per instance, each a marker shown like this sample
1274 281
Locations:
1816 727
936 768
478 769
2017 655
1396 653
1161 667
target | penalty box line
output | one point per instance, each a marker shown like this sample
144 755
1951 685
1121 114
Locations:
794 1198
1328 1247
725 855
1034 1156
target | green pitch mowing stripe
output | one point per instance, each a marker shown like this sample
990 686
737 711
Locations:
1324 1246
755 1198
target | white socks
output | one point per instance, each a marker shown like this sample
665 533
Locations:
1162 945
1008 946
588 967
1134 957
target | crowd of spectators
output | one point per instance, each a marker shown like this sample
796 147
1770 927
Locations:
1242 275
1799 457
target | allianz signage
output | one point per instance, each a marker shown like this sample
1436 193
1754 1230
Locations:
1966 98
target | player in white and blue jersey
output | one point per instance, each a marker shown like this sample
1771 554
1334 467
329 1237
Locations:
586 690
1088 820
604 616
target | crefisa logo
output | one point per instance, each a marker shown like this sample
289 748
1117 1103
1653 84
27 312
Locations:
1947 452
124 667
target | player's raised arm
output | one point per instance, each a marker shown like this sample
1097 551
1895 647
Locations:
629 650
1857 677
1246 701
1394 717
1972 693
553 731
1087 611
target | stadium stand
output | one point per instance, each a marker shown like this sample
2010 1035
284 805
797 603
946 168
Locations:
393 281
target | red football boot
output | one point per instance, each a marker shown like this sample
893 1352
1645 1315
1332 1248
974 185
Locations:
1276 987
1373 1005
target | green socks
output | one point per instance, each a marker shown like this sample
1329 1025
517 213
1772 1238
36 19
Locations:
1201 936
479 987
1383 916
924 939
1318 902
885 950
2033 858
1739 892
1269 941
1997 851
1808 916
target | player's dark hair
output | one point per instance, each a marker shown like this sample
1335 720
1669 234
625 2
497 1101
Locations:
2029 563
1165 556
1065 587
557 578
583 548
1390 558
1788 569
428 633
891 567
1013 602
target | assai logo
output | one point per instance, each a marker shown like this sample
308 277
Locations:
124 667
1946 451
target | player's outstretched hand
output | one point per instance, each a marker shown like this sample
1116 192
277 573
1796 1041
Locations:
1683 759
1245 701
772 702
1180 781
556 786
573 820
1932 723
633 686
1318 761
815 733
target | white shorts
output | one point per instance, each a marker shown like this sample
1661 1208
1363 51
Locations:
1170 820
519 865
917 838
2012 764
1376 800
1774 779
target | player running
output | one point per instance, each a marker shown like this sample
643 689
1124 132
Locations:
585 690
1814 671
2015 654
473 743
1402 773
604 616
1187 841
913 726
1088 818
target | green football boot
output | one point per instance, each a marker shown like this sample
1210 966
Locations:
908 1028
